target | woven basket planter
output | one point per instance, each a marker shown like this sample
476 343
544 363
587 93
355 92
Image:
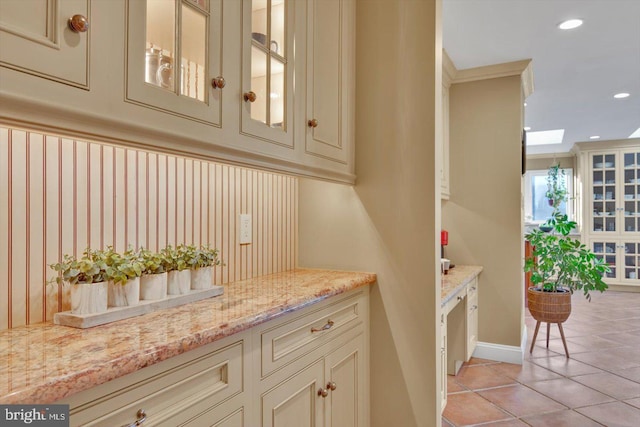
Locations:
550 307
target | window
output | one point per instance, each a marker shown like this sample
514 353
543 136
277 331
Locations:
536 206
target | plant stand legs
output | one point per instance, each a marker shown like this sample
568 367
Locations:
535 335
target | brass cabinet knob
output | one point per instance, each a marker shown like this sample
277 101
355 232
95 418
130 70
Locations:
313 123
323 392
78 24
142 417
218 82
331 385
250 96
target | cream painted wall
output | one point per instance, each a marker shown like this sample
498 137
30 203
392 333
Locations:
389 222
483 215
539 163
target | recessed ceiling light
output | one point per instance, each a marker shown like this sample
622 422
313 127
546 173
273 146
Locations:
594 137
621 95
545 137
635 134
527 128
570 24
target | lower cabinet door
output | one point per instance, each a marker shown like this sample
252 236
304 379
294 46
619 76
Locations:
297 401
345 385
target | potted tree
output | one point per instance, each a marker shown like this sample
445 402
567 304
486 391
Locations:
560 265
88 279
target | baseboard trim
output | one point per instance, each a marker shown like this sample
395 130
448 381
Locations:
502 353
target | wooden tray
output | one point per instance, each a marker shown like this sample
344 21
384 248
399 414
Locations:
113 314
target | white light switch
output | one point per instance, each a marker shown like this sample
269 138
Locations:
245 229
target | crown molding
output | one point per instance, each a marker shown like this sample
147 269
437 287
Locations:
604 144
520 68
449 70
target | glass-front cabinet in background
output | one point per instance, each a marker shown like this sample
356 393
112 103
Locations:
267 70
174 57
615 192
612 194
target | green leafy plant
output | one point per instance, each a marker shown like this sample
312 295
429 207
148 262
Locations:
91 267
556 186
178 258
152 262
203 256
559 262
122 267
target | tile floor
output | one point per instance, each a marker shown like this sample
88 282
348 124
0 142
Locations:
598 386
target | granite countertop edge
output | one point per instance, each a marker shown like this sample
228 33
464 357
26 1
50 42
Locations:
460 278
329 283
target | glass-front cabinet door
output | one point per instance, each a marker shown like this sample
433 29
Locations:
607 250
174 57
631 192
631 262
267 70
603 194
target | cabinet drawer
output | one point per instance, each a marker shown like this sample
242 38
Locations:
169 397
289 340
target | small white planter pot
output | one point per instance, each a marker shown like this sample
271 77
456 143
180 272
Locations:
202 278
124 295
153 286
178 282
89 298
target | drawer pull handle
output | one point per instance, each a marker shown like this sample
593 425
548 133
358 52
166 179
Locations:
460 298
473 288
331 385
323 392
328 325
142 417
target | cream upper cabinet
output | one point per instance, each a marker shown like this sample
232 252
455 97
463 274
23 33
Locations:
330 47
47 38
263 83
174 57
448 74
267 111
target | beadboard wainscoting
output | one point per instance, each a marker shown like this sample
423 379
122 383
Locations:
59 196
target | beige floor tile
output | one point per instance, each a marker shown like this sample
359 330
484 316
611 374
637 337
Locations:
634 402
560 419
611 385
615 414
525 373
566 367
464 409
453 386
632 374
607 359
477 377
519 400
570 393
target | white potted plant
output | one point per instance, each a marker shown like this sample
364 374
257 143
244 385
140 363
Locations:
87 278
178 262
124 273
153 282
202 262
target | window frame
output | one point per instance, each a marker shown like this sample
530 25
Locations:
528 194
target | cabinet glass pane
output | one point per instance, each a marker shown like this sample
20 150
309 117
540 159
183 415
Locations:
278 40
193 51
259 21
160 46
632 261
606 251
259 84
277 93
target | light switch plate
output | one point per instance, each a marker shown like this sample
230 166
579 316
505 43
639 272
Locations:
245 229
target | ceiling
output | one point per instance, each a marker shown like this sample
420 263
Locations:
575 72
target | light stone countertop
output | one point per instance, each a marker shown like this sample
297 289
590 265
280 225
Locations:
457 278
44 363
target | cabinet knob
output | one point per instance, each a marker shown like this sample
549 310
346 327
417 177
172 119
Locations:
78 24
331 385
250 96
313 123
218 82
323 392
142 417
